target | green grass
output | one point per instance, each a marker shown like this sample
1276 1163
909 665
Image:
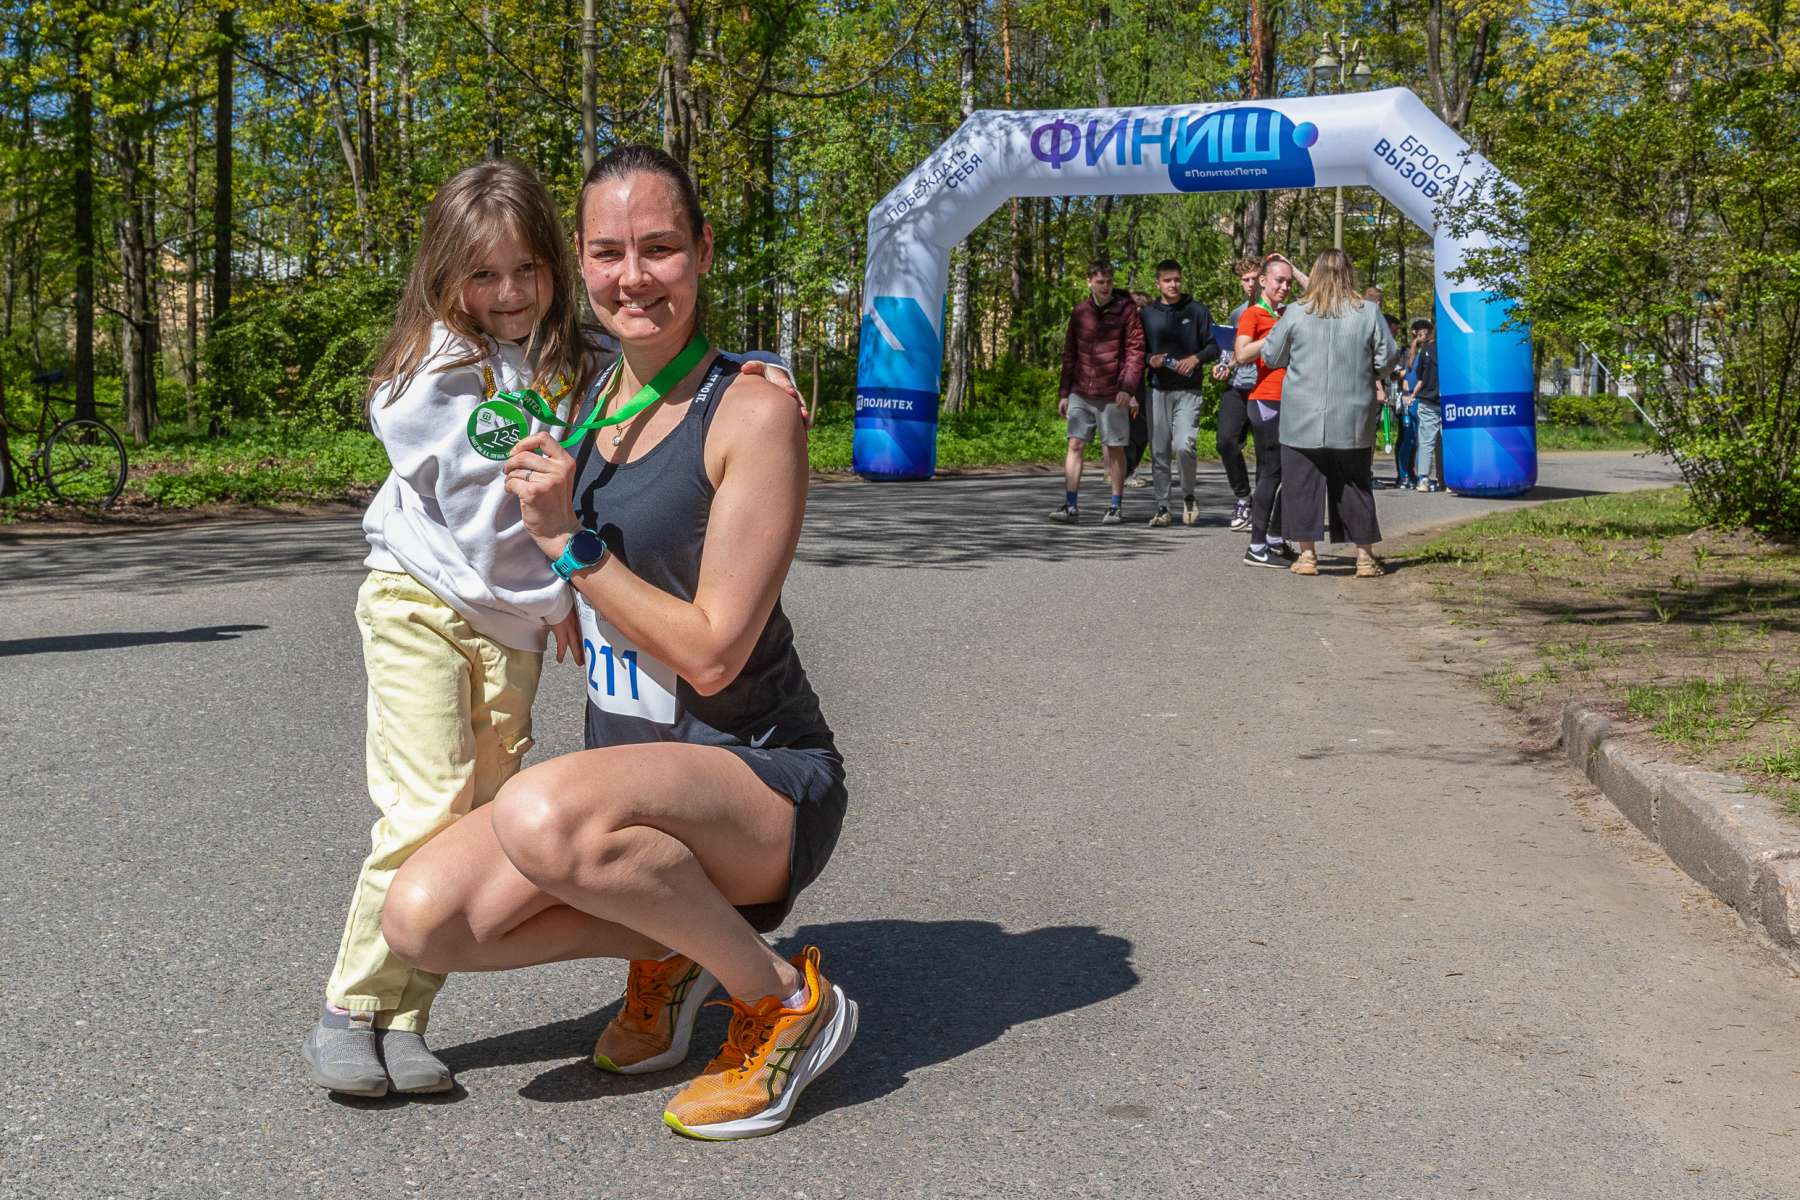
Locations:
989 436
1514 687
263 463
1500 539
1782 762
1592 437
257 464
1699 713
981 437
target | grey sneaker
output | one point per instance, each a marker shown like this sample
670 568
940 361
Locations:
340 1055
1190 511
1066 514
1265 557
411 1066
1161 520
1240 515
1112 517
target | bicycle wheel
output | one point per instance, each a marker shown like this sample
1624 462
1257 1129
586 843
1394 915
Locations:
84 463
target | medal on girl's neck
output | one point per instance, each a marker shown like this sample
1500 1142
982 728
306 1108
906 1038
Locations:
673 373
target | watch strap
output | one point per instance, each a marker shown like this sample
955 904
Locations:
568 562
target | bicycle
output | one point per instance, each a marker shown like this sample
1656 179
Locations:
82 461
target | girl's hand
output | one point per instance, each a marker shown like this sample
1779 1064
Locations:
566 633
542 475
782 380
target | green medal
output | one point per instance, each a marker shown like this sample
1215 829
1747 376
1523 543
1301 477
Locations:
496 426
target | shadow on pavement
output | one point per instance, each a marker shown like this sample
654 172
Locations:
122 641
184 559
932 991
928 992
972 522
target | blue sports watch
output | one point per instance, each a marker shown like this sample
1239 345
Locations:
584 550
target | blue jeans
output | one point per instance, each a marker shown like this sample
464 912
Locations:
1429 459
1406 444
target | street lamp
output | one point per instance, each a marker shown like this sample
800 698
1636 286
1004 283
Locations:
1331 72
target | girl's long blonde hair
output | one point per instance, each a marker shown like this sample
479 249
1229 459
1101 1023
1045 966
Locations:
475 207
1331 289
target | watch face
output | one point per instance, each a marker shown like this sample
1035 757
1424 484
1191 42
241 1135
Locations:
587 547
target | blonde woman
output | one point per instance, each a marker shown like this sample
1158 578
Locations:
1335 345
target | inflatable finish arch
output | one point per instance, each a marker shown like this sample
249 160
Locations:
1386 140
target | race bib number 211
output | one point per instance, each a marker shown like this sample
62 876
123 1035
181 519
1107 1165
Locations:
622 678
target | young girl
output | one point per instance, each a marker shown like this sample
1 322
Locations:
458 601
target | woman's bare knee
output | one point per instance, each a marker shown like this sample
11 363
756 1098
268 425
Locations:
548 833
585 842
420 927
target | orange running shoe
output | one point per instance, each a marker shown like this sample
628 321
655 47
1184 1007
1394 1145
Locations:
770 1054
656 1018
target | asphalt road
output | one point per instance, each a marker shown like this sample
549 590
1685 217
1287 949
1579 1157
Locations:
1164 876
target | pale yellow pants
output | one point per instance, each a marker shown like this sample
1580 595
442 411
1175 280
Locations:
449 720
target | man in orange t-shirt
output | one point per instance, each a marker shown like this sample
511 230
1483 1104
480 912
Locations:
1264 405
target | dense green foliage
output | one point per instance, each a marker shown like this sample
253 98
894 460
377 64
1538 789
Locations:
329 331
1660 193
205 210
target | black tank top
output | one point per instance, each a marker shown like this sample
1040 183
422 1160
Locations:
653 514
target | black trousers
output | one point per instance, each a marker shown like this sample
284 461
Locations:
1329 487
1140 434
1234 427
1265 502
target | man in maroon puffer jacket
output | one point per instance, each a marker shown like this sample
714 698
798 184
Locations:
1102 365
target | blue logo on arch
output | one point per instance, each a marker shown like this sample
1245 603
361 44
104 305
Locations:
1239 149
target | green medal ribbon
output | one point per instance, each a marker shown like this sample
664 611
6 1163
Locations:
672 374
529 400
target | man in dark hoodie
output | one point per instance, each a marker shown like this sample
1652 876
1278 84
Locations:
1102 364
1178 341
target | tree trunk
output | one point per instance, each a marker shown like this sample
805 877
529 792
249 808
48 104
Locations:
9 478
766 231
190 340
1453 91
222 156
355 160
1262 74
1015 347
678 84
368 97
1102 98
20 188
152 300
82 153
1400 270
133 269
956 346
590 46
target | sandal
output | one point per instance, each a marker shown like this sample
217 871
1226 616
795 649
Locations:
1306 564
1369 568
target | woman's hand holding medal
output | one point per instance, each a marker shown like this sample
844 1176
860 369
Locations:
542 475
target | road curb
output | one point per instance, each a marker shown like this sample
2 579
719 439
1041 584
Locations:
1738 844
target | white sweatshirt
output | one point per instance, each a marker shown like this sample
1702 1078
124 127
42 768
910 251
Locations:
444 516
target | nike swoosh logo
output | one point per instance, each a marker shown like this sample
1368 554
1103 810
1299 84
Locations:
757 742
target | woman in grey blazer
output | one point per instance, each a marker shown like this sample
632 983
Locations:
1334 345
